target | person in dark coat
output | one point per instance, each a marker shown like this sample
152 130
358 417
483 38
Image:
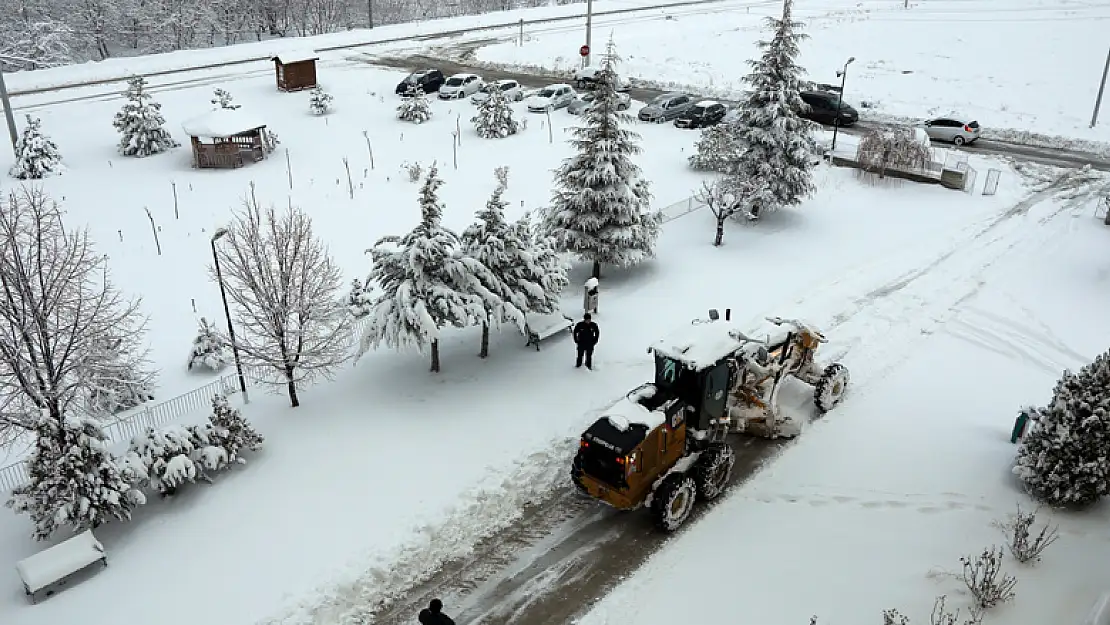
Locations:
433 614
586 334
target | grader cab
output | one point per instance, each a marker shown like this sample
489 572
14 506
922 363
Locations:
665 444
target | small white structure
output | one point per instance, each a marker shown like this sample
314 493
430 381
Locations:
538 327
222 136
44 573
590 295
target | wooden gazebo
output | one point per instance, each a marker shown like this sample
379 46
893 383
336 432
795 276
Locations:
226 138
295 70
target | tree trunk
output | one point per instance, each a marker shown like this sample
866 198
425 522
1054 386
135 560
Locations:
435 356
485 340
720 230
596 273
291 385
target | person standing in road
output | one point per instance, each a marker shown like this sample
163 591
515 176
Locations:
586 334
433 614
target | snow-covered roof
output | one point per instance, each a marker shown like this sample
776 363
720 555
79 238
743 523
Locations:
629 410
294 55
222 123
49 566
701 345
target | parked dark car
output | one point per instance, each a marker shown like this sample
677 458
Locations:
702 115
429 80
827 108
666 107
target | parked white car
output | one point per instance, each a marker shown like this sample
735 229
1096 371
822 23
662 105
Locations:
550 98
511 88
461 86
957 130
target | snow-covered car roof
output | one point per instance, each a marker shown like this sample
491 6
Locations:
463 75
707 103
560 85
505 81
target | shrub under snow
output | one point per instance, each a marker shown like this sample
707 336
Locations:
1064 458
37 156
210 349
74 480
166 454
494 119
319 101
414 107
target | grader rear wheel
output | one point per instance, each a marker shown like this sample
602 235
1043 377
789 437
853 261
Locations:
673 501
831 387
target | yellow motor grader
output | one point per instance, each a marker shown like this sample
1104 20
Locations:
664 445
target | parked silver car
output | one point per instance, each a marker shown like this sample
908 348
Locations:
666 107
510 88
585 102
550 98
952 129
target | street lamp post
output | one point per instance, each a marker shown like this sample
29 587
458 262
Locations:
227 312
843 74
1101 88
7 103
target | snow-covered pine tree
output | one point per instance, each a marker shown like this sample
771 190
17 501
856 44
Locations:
777 144
75 481
140 123
414 107
211 349
423 283
231 431
494 119
494 244
120 383
601 210
1064 458
717 149
224 99
37 156
543 265
360 299
319 101
167 453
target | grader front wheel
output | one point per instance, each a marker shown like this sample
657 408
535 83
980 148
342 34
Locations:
830 388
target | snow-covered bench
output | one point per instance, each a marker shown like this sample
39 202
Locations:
538 327
47 571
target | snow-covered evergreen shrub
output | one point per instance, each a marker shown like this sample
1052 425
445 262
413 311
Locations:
502 175
75 481
414 107
231 432
601 210
778 145
897 147
140 123
167 455
319 101
37 156
494 119
120 383
717 148
224 99
1064 458
423 282
211 349
270 140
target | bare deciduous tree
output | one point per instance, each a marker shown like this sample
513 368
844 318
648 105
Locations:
722 202
58 312
286 290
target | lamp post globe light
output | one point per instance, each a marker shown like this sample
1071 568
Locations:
843 75
227 313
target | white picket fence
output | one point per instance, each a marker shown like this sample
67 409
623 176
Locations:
126 427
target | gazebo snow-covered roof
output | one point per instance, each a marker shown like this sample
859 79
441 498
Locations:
221 123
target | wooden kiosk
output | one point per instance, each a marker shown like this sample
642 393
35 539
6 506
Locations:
295 70
226 138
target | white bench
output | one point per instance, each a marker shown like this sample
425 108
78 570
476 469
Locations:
44 573
538 327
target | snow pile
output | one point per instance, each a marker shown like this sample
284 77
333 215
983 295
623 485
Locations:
480 513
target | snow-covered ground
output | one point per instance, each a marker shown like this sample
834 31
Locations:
1015 66
875 504
392 35
389 469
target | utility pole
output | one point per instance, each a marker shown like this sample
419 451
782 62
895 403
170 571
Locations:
589 30
1101 88
227 312
370 12
8 112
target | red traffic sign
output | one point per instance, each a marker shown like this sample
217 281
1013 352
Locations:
584 50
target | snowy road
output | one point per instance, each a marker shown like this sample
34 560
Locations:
455 57
565 553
